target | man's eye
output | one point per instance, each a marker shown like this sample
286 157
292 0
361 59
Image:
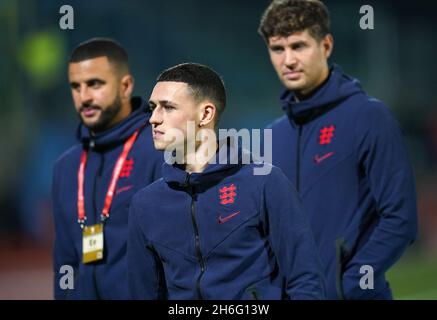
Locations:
151 108
277 49
95 84
298 46
168 108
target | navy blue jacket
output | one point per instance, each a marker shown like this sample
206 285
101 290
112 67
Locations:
106 279
343 151
221 234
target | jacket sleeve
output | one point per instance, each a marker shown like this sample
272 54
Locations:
64 253
384 161
291 239
145 272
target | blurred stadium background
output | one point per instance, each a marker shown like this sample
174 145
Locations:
395 62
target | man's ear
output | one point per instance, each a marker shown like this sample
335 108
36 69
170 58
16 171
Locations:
208 112
328 45
127 86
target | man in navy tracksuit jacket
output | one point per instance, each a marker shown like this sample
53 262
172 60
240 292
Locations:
91 74
343 151
214 230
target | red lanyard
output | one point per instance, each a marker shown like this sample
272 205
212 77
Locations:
115 174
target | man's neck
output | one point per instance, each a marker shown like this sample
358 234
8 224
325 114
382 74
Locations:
197 162
125 111
299 96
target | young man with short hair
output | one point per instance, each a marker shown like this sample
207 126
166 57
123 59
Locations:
210 228
93 182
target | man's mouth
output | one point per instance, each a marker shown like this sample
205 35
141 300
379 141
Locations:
89 112
292 75
157 134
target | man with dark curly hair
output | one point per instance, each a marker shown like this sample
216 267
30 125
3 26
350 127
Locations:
344 152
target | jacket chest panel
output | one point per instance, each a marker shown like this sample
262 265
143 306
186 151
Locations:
327 150
228 216
212 215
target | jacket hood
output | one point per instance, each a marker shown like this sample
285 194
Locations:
138 117
338 87
228 159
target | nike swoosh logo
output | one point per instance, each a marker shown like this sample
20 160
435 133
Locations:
222 220
319 159
120 190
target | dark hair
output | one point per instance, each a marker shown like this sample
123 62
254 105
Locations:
204 83
102 47
285 17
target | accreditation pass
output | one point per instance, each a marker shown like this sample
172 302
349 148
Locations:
92 243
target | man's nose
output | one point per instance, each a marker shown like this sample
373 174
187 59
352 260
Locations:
85 95
290 58
156 117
